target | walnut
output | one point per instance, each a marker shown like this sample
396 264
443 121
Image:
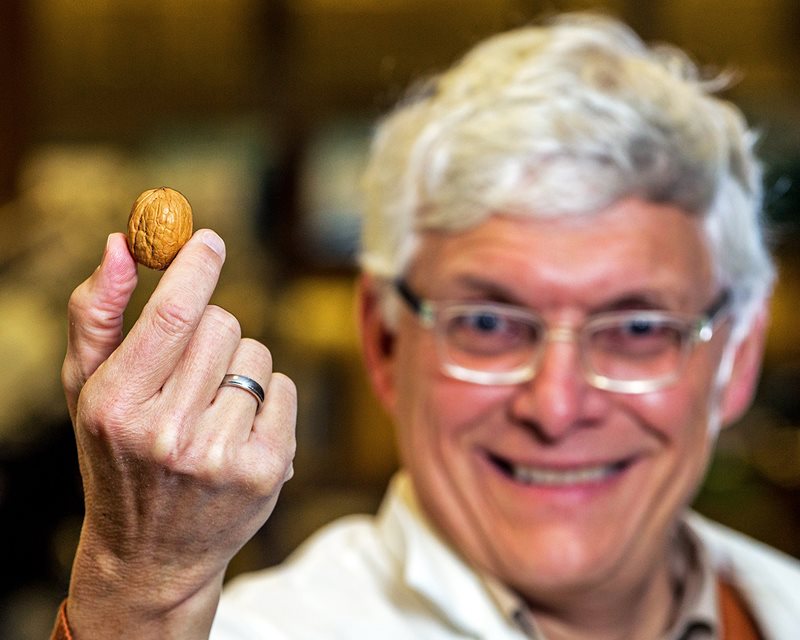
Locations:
159 224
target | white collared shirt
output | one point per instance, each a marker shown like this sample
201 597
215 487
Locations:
391 577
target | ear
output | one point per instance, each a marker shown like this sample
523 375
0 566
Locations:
377 342
737 395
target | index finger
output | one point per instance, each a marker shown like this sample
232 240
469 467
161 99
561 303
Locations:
156 342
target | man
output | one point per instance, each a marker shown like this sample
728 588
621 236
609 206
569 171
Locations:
564 299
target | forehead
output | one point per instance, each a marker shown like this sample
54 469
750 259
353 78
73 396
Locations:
632 247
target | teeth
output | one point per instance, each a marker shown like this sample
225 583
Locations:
531 475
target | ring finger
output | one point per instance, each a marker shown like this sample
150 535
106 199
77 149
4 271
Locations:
251 370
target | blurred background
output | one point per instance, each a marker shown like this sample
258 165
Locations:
259 111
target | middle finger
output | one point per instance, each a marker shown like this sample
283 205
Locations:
193 384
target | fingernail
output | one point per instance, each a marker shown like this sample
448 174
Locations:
106 250
214 242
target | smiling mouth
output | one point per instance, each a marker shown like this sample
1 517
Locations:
539 476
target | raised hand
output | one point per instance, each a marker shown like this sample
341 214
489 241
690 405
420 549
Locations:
178 473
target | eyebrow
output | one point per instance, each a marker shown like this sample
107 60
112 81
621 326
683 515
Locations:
487 290
636 302
646 300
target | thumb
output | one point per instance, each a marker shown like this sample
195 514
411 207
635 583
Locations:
95 316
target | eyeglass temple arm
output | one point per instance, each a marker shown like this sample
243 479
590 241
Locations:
705 328
719 307
410 298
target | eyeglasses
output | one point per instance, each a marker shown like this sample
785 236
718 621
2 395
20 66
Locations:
636 351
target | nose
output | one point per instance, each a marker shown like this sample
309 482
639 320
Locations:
555 401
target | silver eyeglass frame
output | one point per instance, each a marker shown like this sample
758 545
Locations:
702 330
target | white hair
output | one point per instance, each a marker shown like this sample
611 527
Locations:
566 119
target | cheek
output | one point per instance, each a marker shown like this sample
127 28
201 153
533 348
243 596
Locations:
433 402
685 409
439 417
469 410
677 418
668 412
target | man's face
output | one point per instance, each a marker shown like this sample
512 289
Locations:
620 467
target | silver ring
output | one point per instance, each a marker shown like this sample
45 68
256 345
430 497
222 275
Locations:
248 384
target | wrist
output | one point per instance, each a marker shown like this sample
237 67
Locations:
109 599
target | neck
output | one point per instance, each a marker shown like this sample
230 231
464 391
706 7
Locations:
644 610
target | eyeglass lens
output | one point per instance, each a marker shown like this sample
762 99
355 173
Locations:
624 346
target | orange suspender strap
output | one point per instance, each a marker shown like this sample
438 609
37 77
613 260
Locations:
61 629
737 623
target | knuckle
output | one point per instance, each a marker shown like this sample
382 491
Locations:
91 310
291 450
76 299
201 457
205 260
102 415
165 449
267 479
79 306
215 460
284 383
166 446
173 319
225 323
259 351
70 377
284 388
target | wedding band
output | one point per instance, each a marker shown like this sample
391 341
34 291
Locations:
248 384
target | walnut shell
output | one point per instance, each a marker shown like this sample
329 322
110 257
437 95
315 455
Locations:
159 224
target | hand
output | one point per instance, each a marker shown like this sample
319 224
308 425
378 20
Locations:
178 474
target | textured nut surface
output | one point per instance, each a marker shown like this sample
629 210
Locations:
159 224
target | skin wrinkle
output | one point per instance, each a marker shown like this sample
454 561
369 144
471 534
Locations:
447 428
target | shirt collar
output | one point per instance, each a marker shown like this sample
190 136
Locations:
435 571
696 588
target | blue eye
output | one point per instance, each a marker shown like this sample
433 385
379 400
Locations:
640 327
489 331
484 321
637 336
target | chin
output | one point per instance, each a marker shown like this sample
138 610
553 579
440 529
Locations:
543 564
